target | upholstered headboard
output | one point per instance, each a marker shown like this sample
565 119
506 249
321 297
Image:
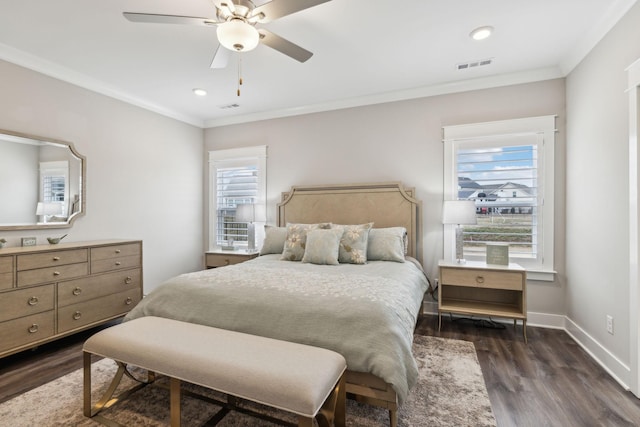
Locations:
387 204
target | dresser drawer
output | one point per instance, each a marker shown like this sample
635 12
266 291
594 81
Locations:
111 264
52 259
115 251
52 274
79 290
96 310
481 278
25 302
6 272
25 330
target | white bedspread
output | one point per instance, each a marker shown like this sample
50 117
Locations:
367 312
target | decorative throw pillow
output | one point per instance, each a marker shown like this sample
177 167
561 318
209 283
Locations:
386 244
296 241
274 238
353 243
322 246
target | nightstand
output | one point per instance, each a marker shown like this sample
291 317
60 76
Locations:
220 258
477 288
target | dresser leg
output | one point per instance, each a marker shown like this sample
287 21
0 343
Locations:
524 330
439 321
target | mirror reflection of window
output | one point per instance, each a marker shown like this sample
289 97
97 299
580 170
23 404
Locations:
54 193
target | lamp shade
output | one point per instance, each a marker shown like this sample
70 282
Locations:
245 213
238 36
48 208
459 212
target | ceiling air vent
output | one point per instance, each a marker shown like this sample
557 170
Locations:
227 107
474 64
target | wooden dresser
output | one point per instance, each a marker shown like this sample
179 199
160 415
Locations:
47 292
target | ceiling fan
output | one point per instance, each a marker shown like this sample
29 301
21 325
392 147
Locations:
236 22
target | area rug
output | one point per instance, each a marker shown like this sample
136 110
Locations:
450 392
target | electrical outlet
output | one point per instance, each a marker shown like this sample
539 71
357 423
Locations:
610 324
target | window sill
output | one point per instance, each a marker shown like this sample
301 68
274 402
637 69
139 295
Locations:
541 276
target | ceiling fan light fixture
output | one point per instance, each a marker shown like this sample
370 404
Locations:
238 36
481 33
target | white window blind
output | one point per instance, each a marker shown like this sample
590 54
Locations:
506 168
237 176
234 186
501 176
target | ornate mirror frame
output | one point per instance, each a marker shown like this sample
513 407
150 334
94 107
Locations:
74 209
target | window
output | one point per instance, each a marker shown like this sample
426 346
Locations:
237 176
506 168
54 184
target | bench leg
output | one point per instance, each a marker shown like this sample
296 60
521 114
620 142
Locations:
90 411
334 408
174 386
305 422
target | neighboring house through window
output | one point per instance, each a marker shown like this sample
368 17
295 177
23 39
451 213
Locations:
507 169
237 176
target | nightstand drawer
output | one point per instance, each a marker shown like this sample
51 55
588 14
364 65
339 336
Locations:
220 260
481 278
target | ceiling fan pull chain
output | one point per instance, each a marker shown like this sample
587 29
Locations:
239 73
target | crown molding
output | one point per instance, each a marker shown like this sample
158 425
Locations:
414 93
56 71
617 10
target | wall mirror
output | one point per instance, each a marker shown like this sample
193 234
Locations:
42 182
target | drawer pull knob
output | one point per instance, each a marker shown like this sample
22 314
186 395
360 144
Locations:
118 263
117 251
56 258
32 301
77 315
128 280
33 328
77 291
226 262
128 301
56 273
480 279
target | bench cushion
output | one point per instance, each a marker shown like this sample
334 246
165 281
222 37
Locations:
289 376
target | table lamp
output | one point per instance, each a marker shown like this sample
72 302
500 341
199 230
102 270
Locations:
459 212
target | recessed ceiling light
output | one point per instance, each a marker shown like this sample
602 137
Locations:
200 92
481 33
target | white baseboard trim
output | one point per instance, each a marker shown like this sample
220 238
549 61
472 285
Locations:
609 362
620 372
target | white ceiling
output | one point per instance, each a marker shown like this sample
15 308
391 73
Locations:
365 51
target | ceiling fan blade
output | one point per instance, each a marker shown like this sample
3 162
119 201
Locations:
168 19
284 46
221 57
279 8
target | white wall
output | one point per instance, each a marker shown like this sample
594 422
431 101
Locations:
144 171
597 196
399 141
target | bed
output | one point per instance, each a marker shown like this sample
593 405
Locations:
367 312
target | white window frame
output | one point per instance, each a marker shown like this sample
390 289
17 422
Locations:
234 157
539 127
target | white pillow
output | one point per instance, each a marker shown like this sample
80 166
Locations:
322 247
274 238
386 244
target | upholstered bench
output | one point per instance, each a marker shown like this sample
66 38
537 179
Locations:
300 379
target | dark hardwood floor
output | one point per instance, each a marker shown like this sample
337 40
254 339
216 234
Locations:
551 381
